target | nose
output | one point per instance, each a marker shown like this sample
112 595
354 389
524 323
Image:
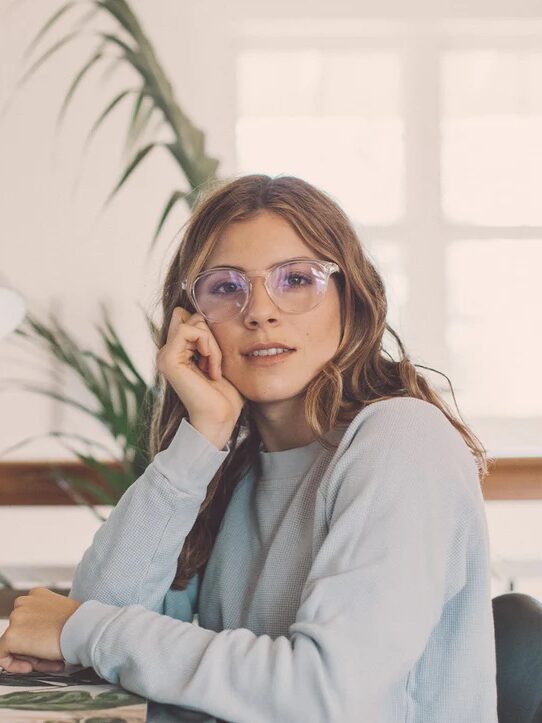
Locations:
260 305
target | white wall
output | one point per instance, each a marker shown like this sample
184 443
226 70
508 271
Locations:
65 258
54 247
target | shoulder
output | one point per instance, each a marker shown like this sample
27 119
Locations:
408 422
402 443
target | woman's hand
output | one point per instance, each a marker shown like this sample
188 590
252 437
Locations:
32 637
209 398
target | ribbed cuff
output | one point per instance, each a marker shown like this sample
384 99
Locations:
191 459
79 629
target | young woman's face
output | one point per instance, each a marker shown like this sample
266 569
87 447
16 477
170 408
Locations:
254 246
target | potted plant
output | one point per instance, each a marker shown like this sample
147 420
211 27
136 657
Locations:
123 398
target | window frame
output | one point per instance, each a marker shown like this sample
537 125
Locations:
423 231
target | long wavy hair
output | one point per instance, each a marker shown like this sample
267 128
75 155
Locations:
360 373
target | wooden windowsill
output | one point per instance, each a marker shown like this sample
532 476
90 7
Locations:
31 483
7 598
514 478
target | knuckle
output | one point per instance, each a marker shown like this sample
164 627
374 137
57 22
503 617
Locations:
162 357
163 363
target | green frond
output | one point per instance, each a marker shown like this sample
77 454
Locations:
131 55
151 326
111 67
139 120
117 480
63 479
123 400
78 78
122 13
49 24
173 199
48 53
115 346
140 155
105 113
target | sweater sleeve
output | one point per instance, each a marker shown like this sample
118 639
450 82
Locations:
133 555
399 504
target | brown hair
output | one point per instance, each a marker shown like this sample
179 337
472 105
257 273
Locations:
360 373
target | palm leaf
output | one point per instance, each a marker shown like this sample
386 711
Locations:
105 113
105 380
116 480
78 78
139 121
110 68
52 20
140 155
64 479
123 400
48 25
47 54
116 348
129 53
188 145
175 197
119 390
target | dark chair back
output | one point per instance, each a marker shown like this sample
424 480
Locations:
518 644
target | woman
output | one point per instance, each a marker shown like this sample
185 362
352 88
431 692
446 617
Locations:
319 507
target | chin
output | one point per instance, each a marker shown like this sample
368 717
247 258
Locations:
272 392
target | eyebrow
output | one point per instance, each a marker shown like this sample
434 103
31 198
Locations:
240 268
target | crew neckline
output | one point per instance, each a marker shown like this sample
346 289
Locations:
291 463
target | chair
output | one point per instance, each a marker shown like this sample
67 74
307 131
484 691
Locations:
518 645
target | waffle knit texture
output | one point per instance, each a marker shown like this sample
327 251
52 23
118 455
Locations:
345 586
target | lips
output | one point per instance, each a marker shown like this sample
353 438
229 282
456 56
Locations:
253 354
267 345
269 359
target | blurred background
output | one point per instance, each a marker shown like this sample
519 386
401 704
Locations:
422 119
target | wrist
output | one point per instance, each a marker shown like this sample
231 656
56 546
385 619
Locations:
217 433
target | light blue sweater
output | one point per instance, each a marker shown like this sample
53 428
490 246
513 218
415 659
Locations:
342 587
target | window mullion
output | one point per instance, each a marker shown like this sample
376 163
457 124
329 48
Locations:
426 312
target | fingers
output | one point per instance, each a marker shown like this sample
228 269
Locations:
12 665
214 352
178 317
28 663
192 339
48 666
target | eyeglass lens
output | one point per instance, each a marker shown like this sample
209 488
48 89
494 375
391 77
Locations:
295 287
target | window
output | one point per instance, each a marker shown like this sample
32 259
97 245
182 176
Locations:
429 135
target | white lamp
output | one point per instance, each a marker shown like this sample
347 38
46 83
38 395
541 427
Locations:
12 310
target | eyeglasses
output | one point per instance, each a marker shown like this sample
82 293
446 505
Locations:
295 286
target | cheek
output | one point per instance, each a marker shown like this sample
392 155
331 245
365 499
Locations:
322 333
224 337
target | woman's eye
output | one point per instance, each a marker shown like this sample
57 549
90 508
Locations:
303 280
218 289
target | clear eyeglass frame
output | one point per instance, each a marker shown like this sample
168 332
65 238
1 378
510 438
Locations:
330 267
